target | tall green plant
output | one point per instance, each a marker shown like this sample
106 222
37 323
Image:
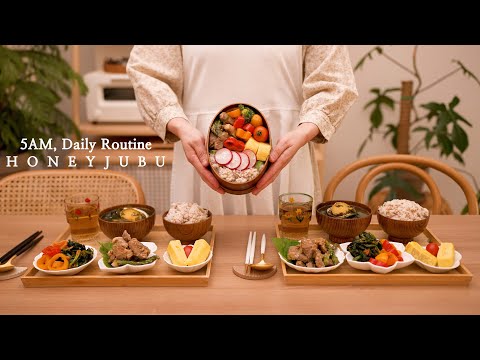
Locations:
33 80
442 126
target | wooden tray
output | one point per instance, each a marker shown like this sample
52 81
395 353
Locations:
160 275
346 275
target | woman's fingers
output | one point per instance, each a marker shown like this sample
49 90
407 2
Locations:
282 160
206 175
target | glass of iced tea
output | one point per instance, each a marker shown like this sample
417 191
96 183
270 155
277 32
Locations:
295 213
82 214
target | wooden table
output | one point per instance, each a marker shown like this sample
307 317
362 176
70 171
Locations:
228 294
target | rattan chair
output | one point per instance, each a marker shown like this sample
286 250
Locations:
42 192
407 163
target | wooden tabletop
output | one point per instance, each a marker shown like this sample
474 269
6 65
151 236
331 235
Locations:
228 294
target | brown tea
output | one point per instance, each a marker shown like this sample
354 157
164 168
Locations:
82 215
295 213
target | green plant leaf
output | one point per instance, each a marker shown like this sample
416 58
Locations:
458 157
455 101
420 128
461 118
376 117
428 138
459 138
446 144
283 244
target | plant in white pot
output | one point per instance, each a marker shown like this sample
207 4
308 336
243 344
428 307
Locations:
33 80
441 125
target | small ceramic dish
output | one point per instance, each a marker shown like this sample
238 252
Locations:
71 271
186 269
129 269
314 270
438 269
366 265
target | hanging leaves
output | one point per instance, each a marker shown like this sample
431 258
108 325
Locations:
451 138
33 80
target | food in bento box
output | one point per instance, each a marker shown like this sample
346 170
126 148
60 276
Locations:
239 144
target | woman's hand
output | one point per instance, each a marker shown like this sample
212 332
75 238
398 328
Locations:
194 147
286 148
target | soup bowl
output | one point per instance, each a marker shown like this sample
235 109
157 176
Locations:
342 230
137 228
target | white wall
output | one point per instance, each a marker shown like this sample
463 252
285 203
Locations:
433 61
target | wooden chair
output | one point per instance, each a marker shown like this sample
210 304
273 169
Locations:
42 192
407 163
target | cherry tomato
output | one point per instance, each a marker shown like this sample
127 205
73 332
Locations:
188 250
260 134
87 200
432 248
249 127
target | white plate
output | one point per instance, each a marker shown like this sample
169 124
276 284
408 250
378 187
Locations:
186 269
128 269
72 271
314 270
367 265
438 269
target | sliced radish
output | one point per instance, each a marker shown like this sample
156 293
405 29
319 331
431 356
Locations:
223 156
252 158
245 161
236 160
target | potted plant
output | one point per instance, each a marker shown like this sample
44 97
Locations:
440 124
33 80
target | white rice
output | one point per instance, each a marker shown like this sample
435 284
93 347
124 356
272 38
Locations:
402 209
186 213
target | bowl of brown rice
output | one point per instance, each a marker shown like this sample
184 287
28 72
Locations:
187 221
402 219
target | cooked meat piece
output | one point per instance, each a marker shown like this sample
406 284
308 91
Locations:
322 244
299 263
211 139
229 128
295 253
119 252
226 119
138 249
119 241
126 236
310 264
319 259
308 247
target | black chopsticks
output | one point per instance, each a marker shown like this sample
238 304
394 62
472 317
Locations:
26 244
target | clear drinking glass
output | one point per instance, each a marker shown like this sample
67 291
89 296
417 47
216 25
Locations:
82 211
295 213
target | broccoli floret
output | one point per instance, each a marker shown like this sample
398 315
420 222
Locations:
247 113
